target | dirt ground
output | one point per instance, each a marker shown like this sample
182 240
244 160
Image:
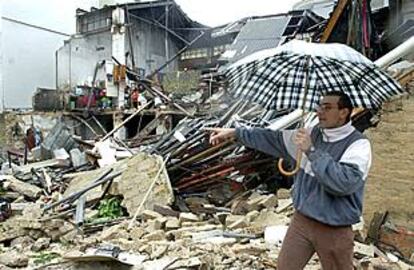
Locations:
390 185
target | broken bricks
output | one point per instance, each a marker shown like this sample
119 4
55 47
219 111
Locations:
14 259
28 190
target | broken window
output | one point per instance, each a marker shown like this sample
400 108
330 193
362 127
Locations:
195 53
94 21
218 50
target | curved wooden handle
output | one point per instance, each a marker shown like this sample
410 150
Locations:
286 173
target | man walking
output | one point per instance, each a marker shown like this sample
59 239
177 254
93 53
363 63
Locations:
328 189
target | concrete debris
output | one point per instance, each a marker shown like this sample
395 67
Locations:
158 251
24 242
254 203
105 254
230 219
252 249
246 241
192 263
23 188
138 177
269 201
190 217
7 234
268 218
77 158
114 232
25 169
149 214
136 233
155 236
83 179
172 223
41 244
159 223
364 250
283 205
162 263
32 212
165 210
274 235
60 154
240 223
14 259
252 215
58 137
106 152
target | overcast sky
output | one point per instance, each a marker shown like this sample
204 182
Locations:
60 14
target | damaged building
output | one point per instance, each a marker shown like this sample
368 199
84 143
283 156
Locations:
373 29
142 35
231 42
113 46
117 43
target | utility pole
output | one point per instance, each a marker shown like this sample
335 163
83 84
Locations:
167 10
1 63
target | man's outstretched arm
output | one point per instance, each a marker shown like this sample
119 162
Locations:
264 140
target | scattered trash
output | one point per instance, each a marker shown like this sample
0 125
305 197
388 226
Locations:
274 235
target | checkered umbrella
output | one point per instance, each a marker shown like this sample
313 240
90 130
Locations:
298 73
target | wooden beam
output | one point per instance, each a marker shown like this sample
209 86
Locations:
406 77
149 127
333 20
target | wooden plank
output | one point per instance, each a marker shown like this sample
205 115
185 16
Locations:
405 78
398 237
374 227
333 20
23 188
149 127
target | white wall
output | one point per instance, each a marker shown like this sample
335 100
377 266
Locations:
77 59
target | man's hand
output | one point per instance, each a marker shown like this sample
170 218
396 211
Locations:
303 140
218 135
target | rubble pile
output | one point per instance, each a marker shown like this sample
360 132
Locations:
171 240
192 206
175 202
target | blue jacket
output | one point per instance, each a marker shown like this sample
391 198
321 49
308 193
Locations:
329 186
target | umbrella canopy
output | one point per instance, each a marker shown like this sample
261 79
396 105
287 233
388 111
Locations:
298 73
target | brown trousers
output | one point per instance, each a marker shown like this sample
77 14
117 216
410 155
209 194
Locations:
305 236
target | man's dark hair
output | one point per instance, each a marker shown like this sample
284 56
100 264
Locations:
344 102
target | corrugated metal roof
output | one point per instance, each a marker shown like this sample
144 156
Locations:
233 27
208 40
256 35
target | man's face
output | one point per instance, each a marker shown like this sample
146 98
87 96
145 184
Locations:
329 114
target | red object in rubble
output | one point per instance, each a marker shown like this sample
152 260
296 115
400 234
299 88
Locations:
134 95
83 101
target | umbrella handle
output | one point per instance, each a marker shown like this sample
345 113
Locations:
286 173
